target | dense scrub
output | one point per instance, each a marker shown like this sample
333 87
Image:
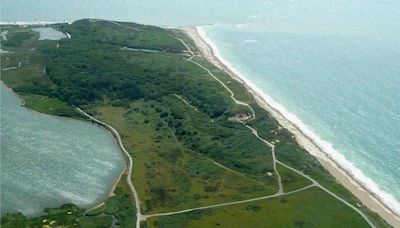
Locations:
173 119
91 67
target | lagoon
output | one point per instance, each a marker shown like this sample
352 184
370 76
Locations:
48 33
48 161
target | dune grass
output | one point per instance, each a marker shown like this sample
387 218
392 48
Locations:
172 176
309 208
183 158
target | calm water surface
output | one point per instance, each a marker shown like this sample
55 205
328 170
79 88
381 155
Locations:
48 161
49 33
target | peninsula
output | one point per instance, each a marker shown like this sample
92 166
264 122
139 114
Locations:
202 149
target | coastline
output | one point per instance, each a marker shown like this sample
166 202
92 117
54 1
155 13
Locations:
27 23
365 195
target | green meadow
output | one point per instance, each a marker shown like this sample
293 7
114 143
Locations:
175 121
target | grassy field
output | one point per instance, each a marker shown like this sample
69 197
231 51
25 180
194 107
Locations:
52 106
170 175
291 180
174 120
310 208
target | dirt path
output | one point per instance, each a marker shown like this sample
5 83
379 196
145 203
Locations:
191 106
186 102
139 216
273 156
280 192
227 204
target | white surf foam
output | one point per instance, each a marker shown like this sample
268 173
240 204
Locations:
389 200
250 41
241 25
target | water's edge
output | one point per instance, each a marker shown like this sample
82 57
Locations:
86 122
353 172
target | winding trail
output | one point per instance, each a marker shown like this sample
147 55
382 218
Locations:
186 102
191 106
275 160
139 216
142 217
217 79
227 204
273 156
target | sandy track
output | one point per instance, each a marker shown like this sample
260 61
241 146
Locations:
139 216
280 191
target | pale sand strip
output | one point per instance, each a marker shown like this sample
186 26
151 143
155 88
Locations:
116 135
366 197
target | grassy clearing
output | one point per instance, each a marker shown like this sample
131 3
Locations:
310 208
291 180
172 176
51 106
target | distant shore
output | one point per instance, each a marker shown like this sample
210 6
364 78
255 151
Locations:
364 195
27 23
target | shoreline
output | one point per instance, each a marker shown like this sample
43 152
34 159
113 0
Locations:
366 196
112 191
84 121
32 23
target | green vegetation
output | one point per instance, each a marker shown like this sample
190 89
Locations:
19 37
286 147
173 118
172 176
312 208
118 210
120 206
67 215
30 80
52 106
290 180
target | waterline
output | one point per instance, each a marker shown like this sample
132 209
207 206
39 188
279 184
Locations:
386 198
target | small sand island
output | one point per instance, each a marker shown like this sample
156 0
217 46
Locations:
202 147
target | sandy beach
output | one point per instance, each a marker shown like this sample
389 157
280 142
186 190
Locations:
366 197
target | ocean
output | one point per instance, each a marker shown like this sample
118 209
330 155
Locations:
333 65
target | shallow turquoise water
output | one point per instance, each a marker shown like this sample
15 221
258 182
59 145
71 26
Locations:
341 89
48 161
334 64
